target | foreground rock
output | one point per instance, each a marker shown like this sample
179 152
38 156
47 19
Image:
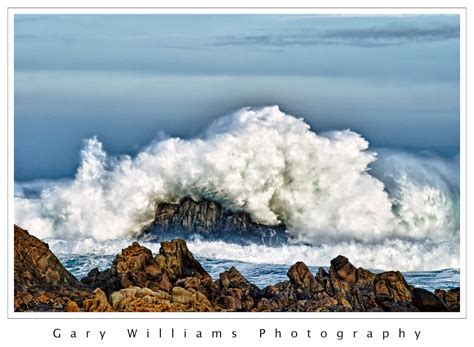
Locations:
41 281
136 267
451 298
173 280
210 219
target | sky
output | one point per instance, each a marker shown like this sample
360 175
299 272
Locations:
130 78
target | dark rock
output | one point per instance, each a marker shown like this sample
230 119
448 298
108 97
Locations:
302 278
451 298
212 220
235 292
41 281
426 301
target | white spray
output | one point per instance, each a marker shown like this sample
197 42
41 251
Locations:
265 162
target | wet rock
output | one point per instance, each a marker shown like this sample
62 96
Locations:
209 218
426 301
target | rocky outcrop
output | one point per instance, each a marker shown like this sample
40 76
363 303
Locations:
210 219
41 281
344 288
235 293
173 280
136 267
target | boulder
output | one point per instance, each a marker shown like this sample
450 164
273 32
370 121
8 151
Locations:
426 301
235 293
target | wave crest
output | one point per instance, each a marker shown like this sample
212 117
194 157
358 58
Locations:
327 188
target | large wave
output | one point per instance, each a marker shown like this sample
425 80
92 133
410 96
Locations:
329 189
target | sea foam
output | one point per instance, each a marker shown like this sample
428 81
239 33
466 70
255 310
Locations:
332 192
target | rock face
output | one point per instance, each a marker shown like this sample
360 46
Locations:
173 280
41 281
212 220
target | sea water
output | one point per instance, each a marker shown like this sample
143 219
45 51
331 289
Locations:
261 275
384 209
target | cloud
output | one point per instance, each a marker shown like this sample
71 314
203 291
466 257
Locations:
361 37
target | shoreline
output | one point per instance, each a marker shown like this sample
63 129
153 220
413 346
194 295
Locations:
260 274
173 280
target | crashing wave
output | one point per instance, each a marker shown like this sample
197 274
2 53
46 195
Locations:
328 189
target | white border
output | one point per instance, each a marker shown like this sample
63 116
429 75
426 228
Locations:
246 315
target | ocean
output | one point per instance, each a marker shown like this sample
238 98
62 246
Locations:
384 209
261 275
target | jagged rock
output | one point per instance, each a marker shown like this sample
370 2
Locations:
426 301
235 292
280 297
451 298
97 302
364 277
135 266
302 278
392 284
178 261
392 292
210 218
41 281
344 269
174 281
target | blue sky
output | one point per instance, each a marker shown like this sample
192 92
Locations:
125 78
